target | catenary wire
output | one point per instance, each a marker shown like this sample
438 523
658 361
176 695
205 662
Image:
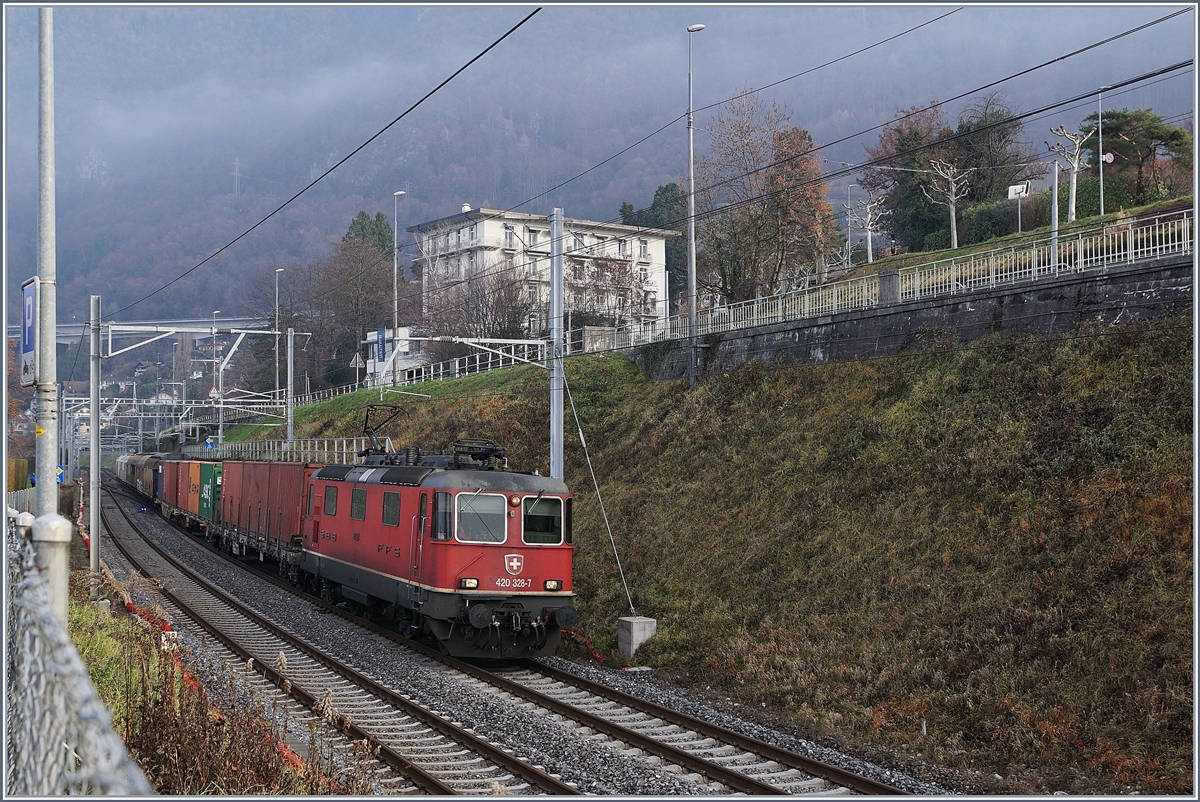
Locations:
835 174
730 100
314 182
826 176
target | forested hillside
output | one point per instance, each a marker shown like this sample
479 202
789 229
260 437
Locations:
994 540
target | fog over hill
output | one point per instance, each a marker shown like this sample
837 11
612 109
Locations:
155 106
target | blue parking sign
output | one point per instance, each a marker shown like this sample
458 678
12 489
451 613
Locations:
209 443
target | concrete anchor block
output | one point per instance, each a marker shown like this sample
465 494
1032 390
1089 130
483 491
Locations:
632 632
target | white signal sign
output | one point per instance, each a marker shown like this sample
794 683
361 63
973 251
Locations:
29 303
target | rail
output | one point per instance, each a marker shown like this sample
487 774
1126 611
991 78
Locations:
59 739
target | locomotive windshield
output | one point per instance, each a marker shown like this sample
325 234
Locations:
543 520
481 517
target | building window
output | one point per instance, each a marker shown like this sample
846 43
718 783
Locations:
471 261
533 295
623 248
601 242
509 237
578 243
472 232
533 238
644 273
643 249
458 238
533 323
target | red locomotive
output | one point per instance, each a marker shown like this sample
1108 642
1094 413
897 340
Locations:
450 546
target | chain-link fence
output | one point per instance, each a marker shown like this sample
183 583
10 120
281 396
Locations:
59 737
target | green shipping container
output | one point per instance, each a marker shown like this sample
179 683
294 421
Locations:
210 489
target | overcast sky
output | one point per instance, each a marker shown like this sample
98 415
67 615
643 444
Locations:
156 104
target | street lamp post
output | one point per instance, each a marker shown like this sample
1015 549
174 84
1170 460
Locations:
217 380
848 188
691 220
395 284
1100 141
278 270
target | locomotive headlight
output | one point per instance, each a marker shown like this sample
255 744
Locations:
553 584
468 584
514 501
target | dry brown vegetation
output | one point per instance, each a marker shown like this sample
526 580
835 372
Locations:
994 538
183 741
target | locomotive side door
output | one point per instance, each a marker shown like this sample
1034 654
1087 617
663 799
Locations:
314 519
416 550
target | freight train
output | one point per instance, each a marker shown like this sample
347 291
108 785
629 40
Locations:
451 547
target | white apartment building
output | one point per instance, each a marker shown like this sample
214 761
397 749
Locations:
610 269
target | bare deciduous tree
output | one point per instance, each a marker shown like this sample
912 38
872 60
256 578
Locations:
1074 157
760 198
867 215
950 185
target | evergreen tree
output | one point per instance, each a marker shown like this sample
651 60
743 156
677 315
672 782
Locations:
378 231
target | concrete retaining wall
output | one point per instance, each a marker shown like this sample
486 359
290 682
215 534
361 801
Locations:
1049 306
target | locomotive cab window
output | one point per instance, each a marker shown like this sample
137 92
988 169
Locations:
330 500
543 521
482 518
310 495
391 509
443 514
358 504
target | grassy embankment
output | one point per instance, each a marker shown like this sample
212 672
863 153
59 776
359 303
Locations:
1066 230
995 539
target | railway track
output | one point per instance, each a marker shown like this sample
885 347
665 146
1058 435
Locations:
726 759
431 754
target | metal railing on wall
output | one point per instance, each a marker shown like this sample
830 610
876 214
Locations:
1096 248
59 738
1088 249
477 362
331 450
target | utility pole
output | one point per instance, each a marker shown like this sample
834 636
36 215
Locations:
556 347
849 261
1054 218
691 372
291 337
278 270
395 286
94 445
46 383
1100 141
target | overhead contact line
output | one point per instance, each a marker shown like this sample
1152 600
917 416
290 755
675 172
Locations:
316 180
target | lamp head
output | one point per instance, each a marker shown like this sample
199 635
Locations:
398 194
695 28
279 270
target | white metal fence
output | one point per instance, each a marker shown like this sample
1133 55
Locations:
332 450
1093 248
477 362
23 500
59 737
1090 249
